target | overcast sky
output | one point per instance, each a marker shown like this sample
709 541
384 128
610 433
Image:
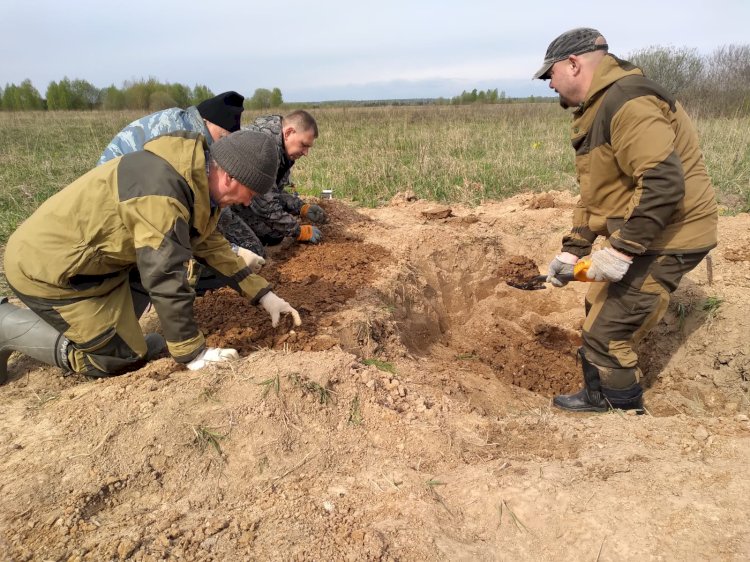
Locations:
332 50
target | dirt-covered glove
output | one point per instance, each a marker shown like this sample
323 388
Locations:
308 233
213 355
275 306
313 213
561 269
608 265
251 259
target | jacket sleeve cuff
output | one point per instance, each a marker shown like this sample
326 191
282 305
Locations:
627 247
187 350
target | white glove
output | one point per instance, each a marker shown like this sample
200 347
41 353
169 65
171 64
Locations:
213 355
251 259
608 265
275 306
561 269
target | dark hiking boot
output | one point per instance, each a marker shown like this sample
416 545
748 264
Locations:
630 398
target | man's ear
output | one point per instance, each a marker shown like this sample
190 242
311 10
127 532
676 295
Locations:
575 64
288 130
224 178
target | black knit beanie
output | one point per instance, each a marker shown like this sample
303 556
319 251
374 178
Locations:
249 157
224 110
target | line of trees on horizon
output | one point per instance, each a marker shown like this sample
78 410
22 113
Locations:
714 84
144 95
481 96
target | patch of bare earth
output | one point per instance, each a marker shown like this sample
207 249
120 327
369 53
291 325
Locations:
408 418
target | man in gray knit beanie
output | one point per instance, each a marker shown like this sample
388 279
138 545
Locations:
146 215
249 157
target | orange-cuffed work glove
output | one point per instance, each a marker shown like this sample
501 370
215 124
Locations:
308 233
313 213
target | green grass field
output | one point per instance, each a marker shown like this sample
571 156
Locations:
464 154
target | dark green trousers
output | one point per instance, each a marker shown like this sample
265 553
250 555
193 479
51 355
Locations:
104 332
619 315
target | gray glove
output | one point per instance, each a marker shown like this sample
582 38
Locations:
561 269
313 213
608 265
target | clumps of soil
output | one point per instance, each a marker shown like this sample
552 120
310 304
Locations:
437 212
322 281
737 253
541 358
340 214
517 270
317 280
542 201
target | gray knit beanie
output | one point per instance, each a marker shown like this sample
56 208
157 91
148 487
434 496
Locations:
249 157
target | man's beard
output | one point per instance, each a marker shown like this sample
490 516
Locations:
564 103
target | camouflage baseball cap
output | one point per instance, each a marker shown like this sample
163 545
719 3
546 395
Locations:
574 42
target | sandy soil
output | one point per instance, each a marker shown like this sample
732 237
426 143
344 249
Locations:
408 418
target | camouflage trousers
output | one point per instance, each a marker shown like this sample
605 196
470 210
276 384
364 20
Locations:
238 232
619 315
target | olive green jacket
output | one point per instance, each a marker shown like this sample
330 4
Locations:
149 210
642 176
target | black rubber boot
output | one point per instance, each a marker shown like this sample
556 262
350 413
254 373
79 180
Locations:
589 398
595 398
22 330
581 401
625 399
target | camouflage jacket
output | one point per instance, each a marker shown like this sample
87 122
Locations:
140 131
273 215
151 210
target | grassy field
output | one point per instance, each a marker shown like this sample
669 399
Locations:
461 154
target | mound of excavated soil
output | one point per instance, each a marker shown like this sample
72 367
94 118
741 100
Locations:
408 418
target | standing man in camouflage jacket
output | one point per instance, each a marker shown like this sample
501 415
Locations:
90 258
645 188
273 216
214 118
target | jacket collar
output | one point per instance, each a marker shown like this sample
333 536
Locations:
610 70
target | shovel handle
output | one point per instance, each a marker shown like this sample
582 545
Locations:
580 269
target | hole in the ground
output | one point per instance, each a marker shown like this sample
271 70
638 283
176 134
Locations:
458 297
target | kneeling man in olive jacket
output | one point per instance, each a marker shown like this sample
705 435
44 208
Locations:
91 258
